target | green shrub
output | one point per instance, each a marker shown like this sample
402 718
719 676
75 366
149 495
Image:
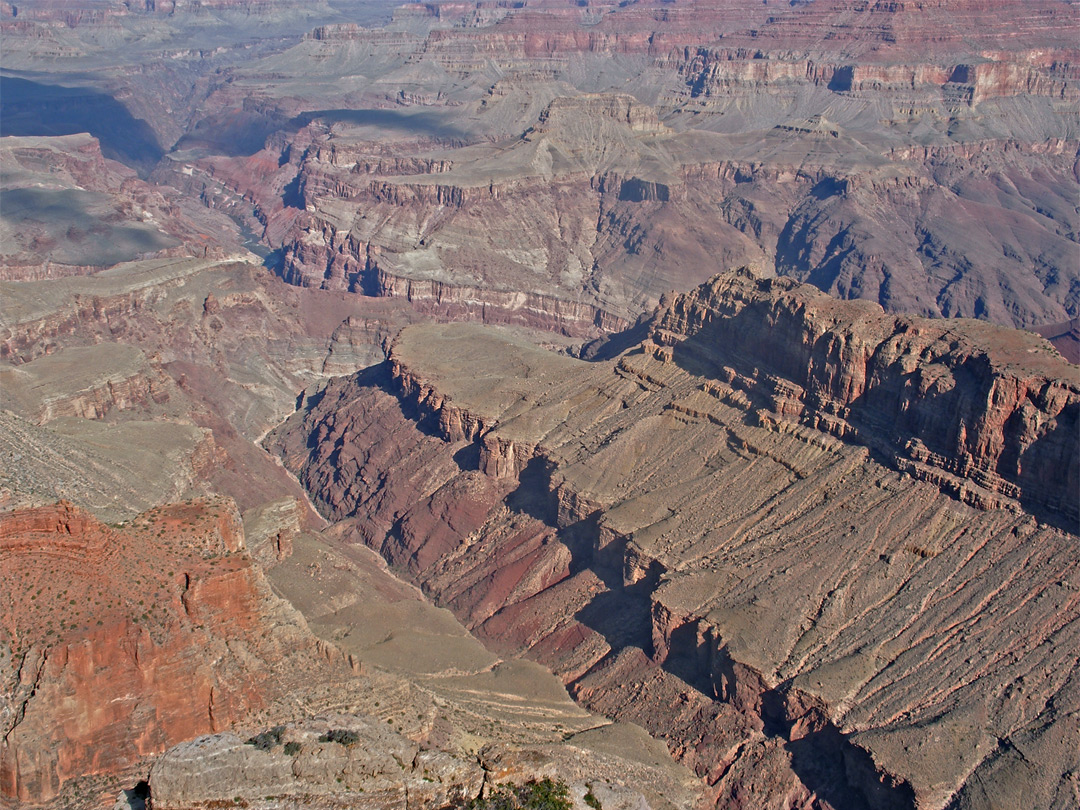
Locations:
292 748
268 739
545 794
342 736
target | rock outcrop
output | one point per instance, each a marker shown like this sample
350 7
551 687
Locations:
119 642
827 554
70 211
324 763
971 407
752 534
352 761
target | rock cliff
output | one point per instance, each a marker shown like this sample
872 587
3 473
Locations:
976 408
470 142
838 143
753 534
122 641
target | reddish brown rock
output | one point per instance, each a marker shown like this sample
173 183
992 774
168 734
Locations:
731 535
120 642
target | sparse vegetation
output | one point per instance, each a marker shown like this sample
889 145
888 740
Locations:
267 739
340 736
545 794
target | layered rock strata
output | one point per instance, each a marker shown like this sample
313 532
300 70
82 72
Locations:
974 408
751 534
351 761
187 361
119 642
70 211
837 143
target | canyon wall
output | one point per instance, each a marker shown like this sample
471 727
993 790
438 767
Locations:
977 403
122 641
931 173
721 536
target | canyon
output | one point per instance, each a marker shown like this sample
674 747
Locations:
674 399
742 534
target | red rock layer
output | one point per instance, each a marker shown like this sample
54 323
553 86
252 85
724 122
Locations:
124 641
803 626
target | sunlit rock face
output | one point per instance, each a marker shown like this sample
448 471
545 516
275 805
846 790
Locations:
122 641
738 532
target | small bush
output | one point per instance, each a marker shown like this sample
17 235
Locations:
268 739
592 801
292 748
341 736
545 794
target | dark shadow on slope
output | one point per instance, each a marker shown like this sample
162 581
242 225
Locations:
827 762
30 108
232 133
533 495
427 124
134 798
242 132
611 346
1050 473
468 457
292 196
621 616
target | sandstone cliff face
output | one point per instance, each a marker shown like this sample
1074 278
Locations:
699 539
120 642
992 407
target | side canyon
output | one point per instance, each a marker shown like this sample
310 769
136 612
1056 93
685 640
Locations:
791 536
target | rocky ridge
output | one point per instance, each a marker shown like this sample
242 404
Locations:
560 166
644 526
997 409
845 146
475 152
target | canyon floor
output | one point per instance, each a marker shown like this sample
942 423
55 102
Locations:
678 400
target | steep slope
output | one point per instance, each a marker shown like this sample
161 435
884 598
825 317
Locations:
99 674
920 155
789 535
